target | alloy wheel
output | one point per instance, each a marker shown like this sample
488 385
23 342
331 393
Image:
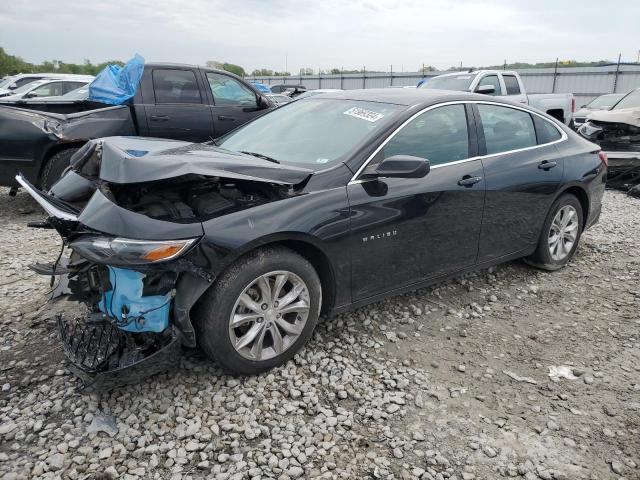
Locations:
563 232
269 315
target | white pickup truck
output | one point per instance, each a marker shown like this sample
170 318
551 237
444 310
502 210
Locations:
506 83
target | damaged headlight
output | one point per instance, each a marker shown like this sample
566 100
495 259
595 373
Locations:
589 129
124 251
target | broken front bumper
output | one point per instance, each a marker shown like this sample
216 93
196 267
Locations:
105 357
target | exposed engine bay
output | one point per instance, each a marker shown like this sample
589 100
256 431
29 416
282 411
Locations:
194 197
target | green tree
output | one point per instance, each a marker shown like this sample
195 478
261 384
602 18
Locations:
236 69
262 72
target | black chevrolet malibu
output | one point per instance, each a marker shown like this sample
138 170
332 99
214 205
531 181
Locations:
322 205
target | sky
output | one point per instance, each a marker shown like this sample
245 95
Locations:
325 34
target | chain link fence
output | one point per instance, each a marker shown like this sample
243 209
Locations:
585 83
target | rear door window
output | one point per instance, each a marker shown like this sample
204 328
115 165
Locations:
70 86
493 81
440 135
512 85
176 86
506 128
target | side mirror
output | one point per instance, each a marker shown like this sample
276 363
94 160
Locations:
30 95
263 102
13 86
399 166
486 89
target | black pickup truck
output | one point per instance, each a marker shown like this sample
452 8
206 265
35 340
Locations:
181 102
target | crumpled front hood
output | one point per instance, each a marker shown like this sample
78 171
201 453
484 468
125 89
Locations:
630 116
136 160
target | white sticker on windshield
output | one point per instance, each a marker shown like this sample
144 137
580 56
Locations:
322 160
364 114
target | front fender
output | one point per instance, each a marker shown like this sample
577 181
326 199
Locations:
318 219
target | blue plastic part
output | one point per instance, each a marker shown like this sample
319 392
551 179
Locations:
115 85
262 88
143 314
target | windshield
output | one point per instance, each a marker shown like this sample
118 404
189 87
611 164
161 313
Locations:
449 82
312 132
632 100
6 82
604 102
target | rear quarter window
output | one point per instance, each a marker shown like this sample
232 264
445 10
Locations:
546 132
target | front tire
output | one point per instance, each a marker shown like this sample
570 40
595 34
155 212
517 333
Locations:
55 167
260 312
560 235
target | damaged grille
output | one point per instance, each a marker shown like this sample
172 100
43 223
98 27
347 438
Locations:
89 346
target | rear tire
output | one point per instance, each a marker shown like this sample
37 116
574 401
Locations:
560 234
245 340
55 167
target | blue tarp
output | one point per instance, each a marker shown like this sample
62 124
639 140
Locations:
115 84
262 87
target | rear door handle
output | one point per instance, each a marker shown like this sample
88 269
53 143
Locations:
468 181
226 118
159 118
547 164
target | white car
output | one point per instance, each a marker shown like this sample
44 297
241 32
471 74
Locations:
508 84
10 84
603 102
45 88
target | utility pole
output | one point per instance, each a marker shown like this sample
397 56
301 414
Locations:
555 75
391 82
615 79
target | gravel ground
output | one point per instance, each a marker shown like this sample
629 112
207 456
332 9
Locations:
450 381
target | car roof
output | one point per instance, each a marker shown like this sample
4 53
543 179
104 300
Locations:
407 96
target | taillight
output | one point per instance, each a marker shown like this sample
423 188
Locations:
603 158
573 104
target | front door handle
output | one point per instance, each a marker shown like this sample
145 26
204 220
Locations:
159 118
226 118
547 164
468 181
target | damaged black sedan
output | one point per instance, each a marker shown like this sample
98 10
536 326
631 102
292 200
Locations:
325 204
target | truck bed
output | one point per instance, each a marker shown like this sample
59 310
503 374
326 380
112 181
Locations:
27 134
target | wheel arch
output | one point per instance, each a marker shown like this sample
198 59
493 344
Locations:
309 248
581 194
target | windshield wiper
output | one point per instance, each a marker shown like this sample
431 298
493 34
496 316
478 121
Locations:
259 155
